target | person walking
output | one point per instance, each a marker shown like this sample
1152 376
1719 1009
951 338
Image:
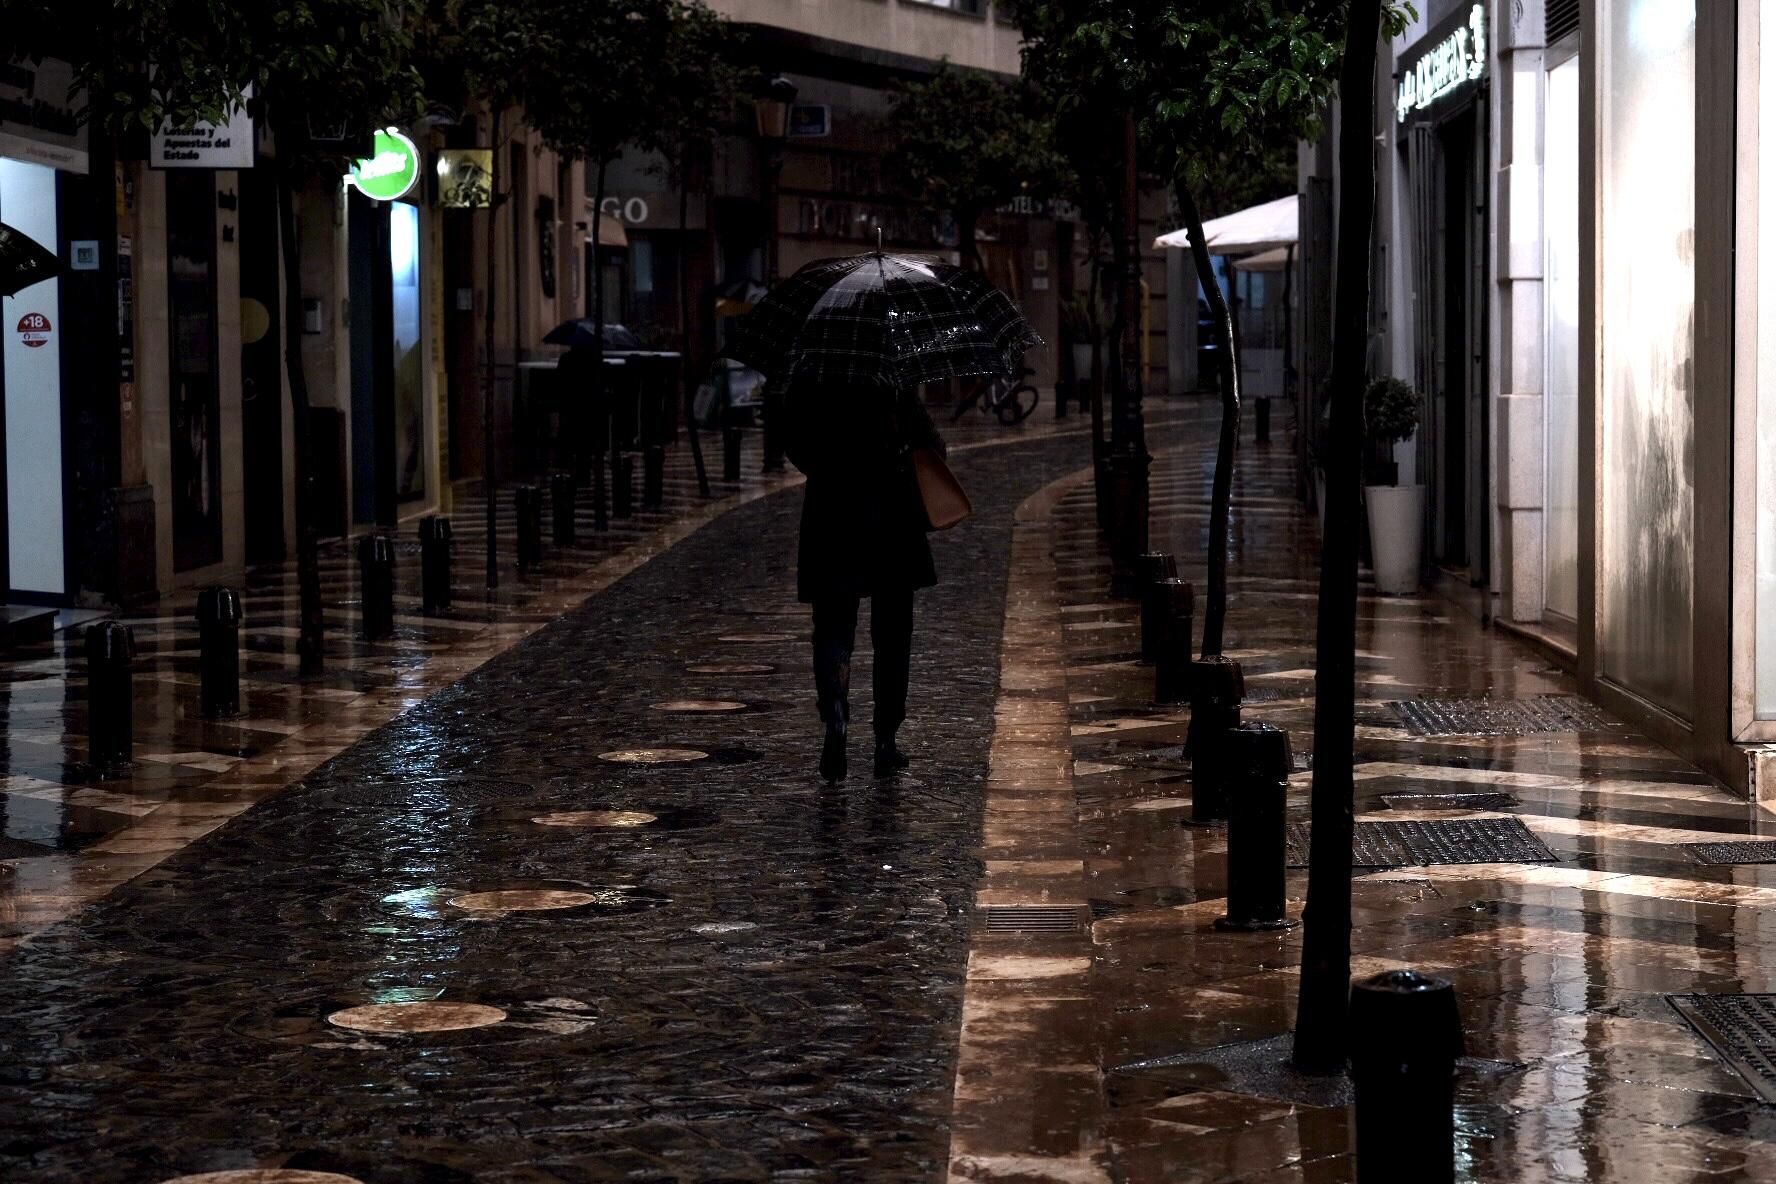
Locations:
849 341
863 537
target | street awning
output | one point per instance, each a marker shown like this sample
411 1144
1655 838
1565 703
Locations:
1275 259
1259 228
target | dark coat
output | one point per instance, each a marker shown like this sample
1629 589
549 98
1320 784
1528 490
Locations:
863 527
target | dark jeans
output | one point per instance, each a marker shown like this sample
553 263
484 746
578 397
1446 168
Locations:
891 635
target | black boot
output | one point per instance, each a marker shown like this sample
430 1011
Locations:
889 758
833 763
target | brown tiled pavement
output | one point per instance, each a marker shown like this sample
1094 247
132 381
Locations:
1107 1054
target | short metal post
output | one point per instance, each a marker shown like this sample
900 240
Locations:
1155 566
653 477
730 453
527 500
1176 638
562 494
1406 1038
376 582
1257 829
1217 690
623 486
1261 420
110 694
218 642
434 563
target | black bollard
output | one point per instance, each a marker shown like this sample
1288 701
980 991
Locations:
110 694
1261 420
527 500
376 581
623 486
730 454
218 644
1257 829
1155 566
1172 654
1217 688
1406 1037
434 563
653 477
561 508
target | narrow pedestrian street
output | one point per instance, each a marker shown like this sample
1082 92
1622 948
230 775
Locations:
586 913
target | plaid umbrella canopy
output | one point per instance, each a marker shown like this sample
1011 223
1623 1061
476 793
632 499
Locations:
879 320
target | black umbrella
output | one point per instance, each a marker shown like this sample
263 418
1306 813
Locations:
23 261
582 334
881 320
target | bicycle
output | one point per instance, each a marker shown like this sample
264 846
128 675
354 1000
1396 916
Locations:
1007 396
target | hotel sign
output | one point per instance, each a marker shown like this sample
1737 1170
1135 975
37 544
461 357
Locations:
1454 61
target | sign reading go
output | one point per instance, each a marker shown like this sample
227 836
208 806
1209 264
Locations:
390 171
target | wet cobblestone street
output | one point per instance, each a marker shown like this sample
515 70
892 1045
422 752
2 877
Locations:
725 971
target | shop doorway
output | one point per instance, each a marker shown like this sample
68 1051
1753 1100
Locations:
1448 166
262 385
387 362
195 392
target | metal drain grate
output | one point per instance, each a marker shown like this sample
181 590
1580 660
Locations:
1500 717
1449 801
1732 853
1415 844
1036 918
1742 1029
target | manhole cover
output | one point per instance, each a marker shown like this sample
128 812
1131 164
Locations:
1041 918
1742 1029
1730 853
1500 717
1449 801
1414 844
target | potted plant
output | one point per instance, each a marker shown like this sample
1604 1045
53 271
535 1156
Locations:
1396 512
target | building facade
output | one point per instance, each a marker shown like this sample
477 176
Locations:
1569 269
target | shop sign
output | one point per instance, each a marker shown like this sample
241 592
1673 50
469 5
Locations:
205 145
1455 61
465 178
33 330
40 114
391 170
810 121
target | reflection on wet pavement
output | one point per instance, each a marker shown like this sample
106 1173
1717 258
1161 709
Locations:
1582 1070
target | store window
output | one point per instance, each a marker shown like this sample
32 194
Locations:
1560 307
409 360
1645 323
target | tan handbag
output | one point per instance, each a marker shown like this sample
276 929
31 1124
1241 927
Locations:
946 502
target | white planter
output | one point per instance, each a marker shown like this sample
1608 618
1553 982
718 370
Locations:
1396 535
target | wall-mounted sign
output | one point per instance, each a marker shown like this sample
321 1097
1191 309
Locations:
204 145
1455 59
810 120
83 254
391 169
33 330
633 210
465 178
40 114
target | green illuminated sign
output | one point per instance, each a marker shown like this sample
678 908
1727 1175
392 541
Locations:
390 171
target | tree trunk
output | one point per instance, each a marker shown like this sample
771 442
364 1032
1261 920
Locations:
1221 495
1094 287
1321 1039
1134 434
688 371
488 485
600 405
967 239
310 637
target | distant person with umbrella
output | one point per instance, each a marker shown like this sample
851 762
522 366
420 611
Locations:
850 341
